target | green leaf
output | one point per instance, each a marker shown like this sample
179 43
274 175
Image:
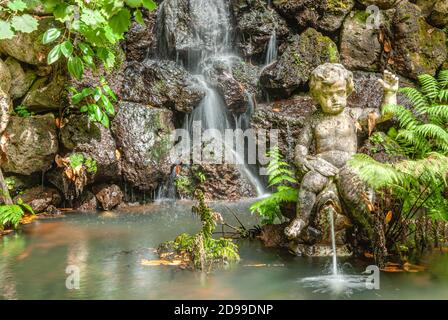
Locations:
76 98
24 23
97 94
149 4
109 92
97 112
62 12
107 56
134 3
89 61
139 17
75 67
54 54
5 30
120 22
92 17
85 49
105 120
50 35
67 48
16 5
107 105
83 109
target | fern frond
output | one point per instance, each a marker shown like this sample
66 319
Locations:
404 116
417 98
443 79
443 95
430 86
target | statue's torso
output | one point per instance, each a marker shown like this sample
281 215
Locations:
335 138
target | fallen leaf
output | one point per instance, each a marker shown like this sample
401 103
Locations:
371 119
388 217
59 161
154 263
276 110
178 169
387 46
117 154
368 255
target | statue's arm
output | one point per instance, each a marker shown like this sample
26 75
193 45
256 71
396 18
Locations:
390 83
302 147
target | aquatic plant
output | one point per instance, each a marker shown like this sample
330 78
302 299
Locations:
280 177
201 249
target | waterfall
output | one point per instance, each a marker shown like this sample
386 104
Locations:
271 52
333 241
210 42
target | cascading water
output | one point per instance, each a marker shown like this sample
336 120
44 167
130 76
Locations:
271 52
333 242
211 42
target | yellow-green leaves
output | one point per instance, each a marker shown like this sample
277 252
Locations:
149 4
121 21
13 20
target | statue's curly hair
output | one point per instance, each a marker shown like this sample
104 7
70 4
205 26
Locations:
329 73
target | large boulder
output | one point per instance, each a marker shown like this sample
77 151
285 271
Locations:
439 14
46 94
40 198
418 47
86 202
141 40
360 46
28 47
143 136
109 196
255 25
326 16
162 84
293 69
21 80
5 77
80 135
29 144
234 79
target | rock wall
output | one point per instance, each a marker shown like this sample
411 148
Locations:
156 95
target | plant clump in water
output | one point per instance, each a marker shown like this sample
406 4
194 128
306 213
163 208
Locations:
201 251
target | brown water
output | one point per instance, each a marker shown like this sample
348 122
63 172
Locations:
108 248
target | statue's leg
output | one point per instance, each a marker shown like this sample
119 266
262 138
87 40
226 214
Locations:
312 184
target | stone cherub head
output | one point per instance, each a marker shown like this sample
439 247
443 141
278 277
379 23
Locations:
330 86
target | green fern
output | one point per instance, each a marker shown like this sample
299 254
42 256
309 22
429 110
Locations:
280 177
10 215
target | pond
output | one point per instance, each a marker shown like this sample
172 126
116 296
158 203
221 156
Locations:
108 250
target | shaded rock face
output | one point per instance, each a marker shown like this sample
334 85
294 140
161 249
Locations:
162 84
46 94
80 135
234 79
21 80
141 40
225 182
143 137
369 92
255 24
40 199
109 196
86 202
360 47
28 47
287 116
29 144
322 15
439 15
5 77
418 47
293 69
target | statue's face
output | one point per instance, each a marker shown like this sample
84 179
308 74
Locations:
333 98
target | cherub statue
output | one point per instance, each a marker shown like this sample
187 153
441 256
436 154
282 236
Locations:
329 139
